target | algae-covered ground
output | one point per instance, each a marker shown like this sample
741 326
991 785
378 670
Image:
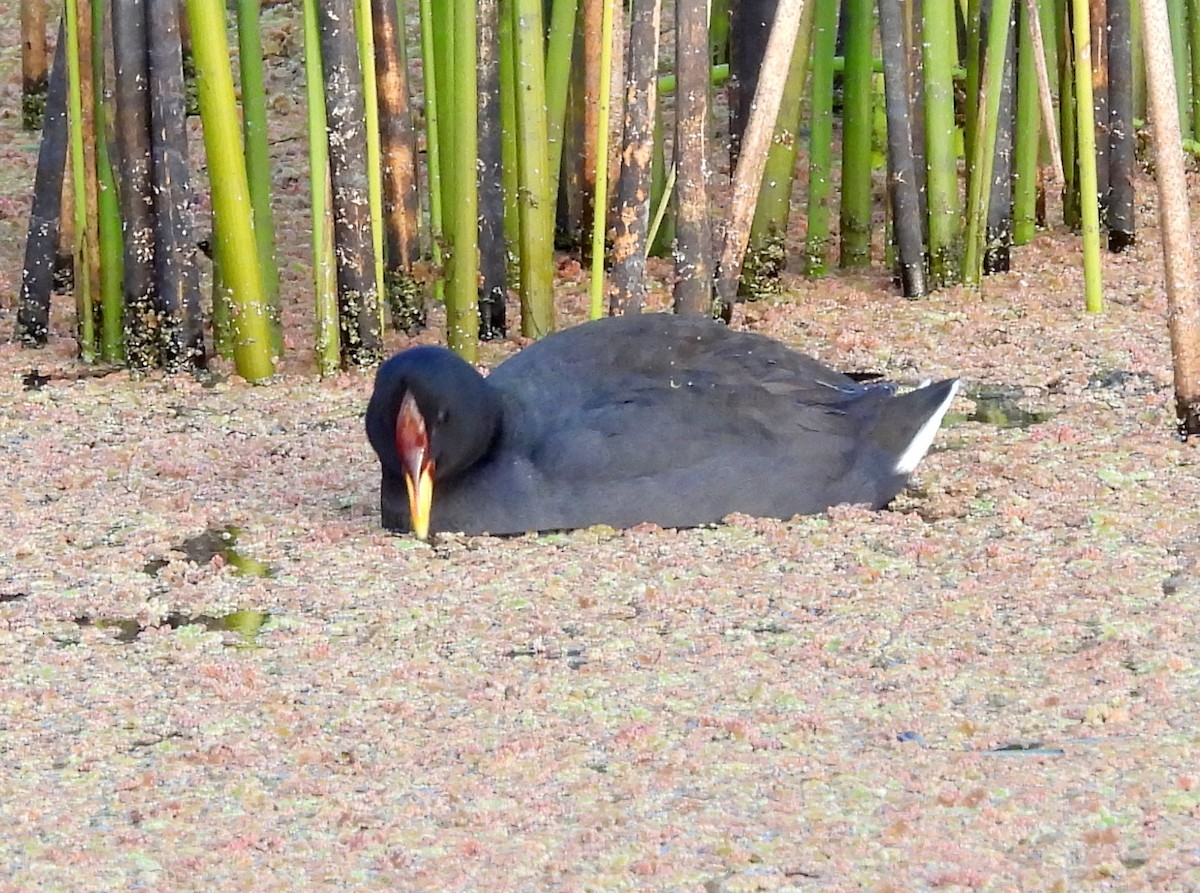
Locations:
218 673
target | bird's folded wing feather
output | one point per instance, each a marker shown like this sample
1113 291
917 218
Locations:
645 426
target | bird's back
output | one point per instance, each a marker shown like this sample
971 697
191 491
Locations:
670 420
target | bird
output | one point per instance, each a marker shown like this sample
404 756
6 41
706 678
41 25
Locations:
652 418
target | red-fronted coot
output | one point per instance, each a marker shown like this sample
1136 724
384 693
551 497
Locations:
677 421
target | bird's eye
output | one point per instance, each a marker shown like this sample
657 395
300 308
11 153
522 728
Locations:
442 416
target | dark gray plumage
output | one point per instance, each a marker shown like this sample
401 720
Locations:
657 418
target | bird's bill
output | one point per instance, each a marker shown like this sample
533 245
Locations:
420 499
412 444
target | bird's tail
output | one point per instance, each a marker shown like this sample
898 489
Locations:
907 424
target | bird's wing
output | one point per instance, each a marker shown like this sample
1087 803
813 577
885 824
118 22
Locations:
664 393
681 422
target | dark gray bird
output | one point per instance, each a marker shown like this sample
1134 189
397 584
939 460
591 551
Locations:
672 420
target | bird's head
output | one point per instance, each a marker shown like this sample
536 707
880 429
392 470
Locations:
431 417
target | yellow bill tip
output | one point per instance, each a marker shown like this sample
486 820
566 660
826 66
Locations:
420 500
